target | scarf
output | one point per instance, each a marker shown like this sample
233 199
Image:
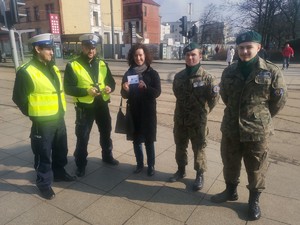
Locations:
140 69
247 67
191 70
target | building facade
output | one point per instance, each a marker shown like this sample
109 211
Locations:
143 15
72 18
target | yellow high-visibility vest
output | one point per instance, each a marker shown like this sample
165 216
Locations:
43 101
85 81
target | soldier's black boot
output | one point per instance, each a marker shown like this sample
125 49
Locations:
180 173
229 194
199 181
254 209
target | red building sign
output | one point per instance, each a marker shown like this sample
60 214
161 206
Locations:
54 23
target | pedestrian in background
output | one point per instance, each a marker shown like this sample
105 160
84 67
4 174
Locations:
230 55
38 92
141 86
89 80
287 53
253 91
217 48
197 93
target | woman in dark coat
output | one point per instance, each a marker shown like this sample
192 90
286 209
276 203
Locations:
141 86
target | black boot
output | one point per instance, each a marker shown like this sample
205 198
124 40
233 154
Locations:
199 181
254 209
180 173
229 194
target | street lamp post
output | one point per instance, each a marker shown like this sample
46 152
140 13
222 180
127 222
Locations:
112 28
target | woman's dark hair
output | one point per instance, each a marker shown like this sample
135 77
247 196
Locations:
130 57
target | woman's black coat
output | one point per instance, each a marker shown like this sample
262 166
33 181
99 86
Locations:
142 104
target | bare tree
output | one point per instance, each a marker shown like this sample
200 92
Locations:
209 17
275 20
291 10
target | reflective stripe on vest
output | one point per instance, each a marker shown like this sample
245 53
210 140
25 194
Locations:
85 81
43 101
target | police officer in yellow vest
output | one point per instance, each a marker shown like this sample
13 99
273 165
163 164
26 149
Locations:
89 80
38 92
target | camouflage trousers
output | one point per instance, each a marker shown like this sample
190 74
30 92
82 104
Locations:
255 157
182 135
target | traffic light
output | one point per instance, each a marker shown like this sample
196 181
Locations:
15 11
183 26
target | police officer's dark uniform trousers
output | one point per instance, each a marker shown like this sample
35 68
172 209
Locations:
80 74
38 93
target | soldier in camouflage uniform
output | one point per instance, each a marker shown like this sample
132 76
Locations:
197 93
253 91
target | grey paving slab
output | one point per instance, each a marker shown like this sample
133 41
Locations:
6 140
136 189
17 148
42 214
3 155
105 178
6 188
280 208
173 203
208 213
283 179
14 204
76 198
21 176
10 164
148 217
109 210
76 221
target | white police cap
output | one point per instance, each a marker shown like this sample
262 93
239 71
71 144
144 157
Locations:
42 40
90 39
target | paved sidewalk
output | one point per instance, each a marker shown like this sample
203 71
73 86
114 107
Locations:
111 195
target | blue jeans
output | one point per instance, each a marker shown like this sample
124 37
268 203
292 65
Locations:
286 62
138 151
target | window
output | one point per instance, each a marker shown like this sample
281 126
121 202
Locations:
95 18
145 27
28 15
49 9
106 38
145 10
36 13
38 30
117 38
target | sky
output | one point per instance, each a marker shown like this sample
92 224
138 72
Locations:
173 10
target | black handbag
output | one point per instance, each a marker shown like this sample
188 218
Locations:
124 122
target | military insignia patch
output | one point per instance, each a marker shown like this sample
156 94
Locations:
278 92
216 89
263 77
198 84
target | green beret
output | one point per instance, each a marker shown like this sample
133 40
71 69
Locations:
250 36
190 47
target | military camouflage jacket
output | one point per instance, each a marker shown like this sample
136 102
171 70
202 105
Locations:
251 104
196 96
